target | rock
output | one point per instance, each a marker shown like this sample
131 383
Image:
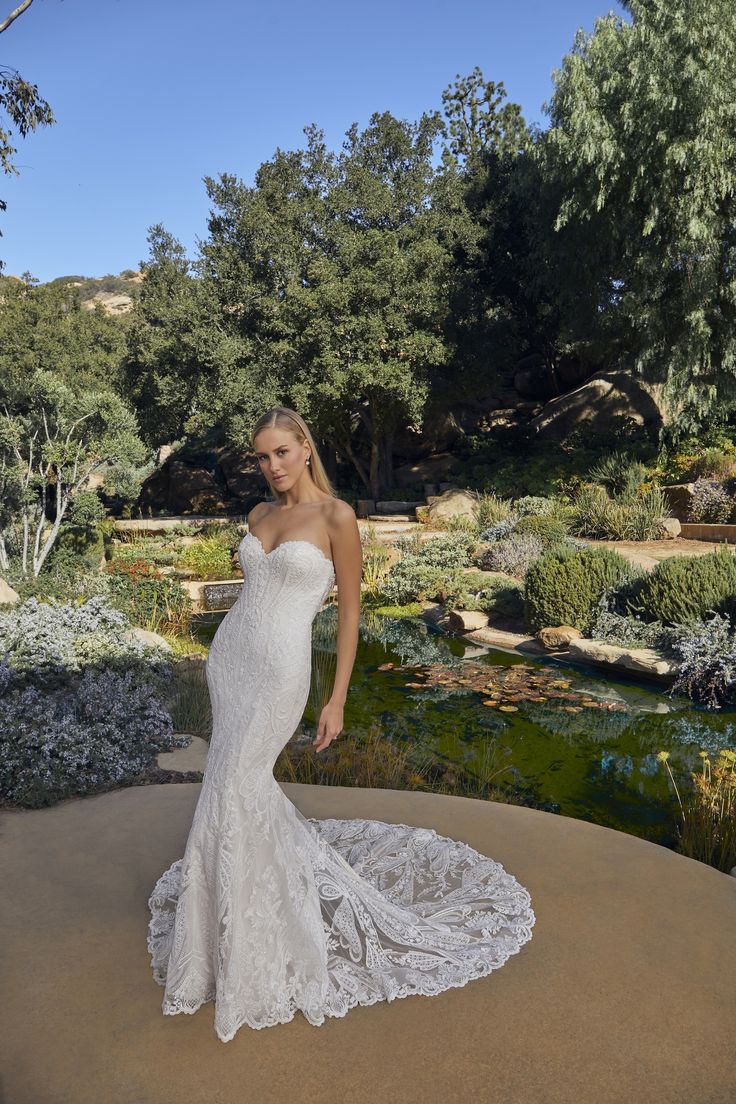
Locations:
452 503
241 472
646 661
150 638
8 596
193 757
466 620
558 636
364 507
679 499
603 403
670 527
112 302
732 872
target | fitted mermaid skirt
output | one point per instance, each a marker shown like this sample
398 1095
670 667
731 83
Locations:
269 912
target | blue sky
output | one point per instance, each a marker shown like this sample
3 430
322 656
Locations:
153 95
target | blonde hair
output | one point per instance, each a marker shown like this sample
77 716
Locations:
288 419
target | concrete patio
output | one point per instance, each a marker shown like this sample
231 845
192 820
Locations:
626 992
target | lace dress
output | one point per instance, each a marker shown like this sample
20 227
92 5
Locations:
267 911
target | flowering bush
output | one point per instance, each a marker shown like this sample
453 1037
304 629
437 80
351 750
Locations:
512 555
80 701
533 504
90 734
499 530
37 635
707 653
710 502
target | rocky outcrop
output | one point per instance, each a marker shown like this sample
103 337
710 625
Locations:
602 403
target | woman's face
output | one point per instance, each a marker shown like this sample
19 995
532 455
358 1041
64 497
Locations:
283 460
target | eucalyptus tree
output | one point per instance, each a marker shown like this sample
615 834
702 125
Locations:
60 418
52 441
640 165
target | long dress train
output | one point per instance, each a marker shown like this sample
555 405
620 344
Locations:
269 912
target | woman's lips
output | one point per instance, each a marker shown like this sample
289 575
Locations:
278 478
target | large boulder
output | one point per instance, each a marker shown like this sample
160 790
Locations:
452 503
603 403
679 499
242 475
181 488
466 620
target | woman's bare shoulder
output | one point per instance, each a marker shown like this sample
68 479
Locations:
258 512
341 519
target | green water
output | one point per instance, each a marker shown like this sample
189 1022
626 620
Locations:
596 765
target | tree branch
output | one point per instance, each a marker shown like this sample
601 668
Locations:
14 14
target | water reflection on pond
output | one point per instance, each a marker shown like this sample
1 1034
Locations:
567 739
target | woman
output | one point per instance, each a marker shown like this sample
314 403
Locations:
270 912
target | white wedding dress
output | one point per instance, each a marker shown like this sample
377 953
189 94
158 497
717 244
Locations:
267 911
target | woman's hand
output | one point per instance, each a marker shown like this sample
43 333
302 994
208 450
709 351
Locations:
330 725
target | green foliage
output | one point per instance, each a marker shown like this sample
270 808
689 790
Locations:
150 600
629 517
550 530
639 177
208 558
52 440
564 586
682 589
618 474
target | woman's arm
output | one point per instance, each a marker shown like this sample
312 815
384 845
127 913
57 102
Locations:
347 554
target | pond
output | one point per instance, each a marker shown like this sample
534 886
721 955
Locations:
562 738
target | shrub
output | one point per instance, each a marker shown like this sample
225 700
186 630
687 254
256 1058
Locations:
533 504
549 530
682 589
631 517
427 569
512 555
626 631
490 510
706 650
710 502
210 558
565 585
619 474
99 731
49 635
499 529
149 599
80 701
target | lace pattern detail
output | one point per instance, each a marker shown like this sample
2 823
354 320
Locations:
269 912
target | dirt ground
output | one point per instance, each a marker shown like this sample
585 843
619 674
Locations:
643 551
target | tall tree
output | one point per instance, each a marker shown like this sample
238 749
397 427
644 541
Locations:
499 311
641 171
333 268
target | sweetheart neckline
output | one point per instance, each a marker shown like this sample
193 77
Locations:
295 541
